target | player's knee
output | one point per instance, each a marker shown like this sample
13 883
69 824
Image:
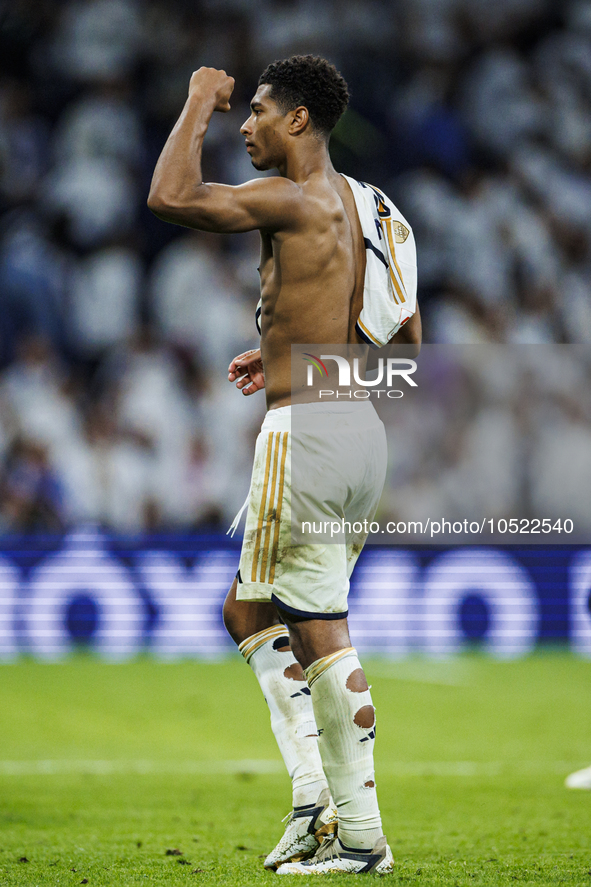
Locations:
294 672
356 682
365 717
297 645
229 614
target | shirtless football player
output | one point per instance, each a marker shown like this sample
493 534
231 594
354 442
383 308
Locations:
286 609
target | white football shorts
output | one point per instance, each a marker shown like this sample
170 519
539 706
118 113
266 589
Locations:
320 466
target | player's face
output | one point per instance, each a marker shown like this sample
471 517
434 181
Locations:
264 130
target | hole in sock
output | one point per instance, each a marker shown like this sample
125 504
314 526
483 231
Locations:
294 672
365 717
281 644
307 730
369 784
356 681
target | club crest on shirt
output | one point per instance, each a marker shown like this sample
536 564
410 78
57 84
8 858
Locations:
401 232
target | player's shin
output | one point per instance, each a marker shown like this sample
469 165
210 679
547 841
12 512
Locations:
292 717
345 718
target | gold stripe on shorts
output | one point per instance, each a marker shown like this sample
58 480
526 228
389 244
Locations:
267 533
271 512
278 511
257 546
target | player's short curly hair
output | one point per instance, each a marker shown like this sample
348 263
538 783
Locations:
310 81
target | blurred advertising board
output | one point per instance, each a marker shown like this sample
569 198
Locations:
164 594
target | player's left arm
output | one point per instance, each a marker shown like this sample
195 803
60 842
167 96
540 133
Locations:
247 371
410 334
178 193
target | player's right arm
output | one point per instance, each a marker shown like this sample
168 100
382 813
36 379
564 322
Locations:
178 193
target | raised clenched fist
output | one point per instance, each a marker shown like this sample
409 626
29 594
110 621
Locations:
210 81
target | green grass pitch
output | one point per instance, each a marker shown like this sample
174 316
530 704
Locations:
106 769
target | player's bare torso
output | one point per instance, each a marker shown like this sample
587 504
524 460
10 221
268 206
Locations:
311 280
312 257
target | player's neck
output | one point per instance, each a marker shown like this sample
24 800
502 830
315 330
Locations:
312 159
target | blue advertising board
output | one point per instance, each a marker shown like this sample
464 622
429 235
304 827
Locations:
164 594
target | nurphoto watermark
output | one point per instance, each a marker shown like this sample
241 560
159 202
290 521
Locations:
351 374
465 443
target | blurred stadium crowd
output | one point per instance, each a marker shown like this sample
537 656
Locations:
116 330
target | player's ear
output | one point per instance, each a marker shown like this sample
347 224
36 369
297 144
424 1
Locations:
299 120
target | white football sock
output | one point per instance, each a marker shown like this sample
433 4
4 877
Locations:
345 718
292 716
